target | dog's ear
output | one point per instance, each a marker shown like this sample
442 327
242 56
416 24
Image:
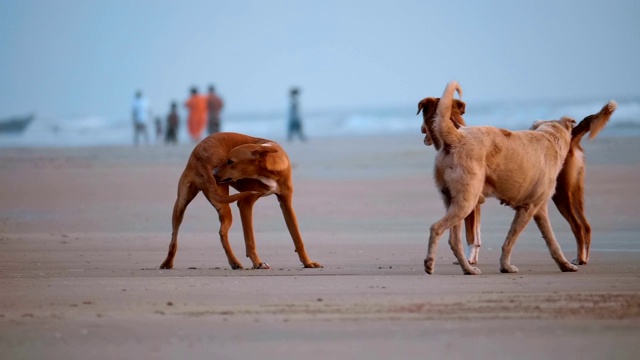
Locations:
274 159
427 104
263 150
567 122
276 162
460 105
536 124
459 108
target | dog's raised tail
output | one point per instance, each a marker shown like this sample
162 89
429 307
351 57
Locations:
444 127
592 124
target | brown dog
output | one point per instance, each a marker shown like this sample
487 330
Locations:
569 194
428 106
519 168
256 167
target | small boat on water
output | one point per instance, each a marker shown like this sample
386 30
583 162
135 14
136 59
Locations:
16 124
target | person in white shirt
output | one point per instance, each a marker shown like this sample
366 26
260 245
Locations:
140 115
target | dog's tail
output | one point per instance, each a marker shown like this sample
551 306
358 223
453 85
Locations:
445 129
214 195
592 124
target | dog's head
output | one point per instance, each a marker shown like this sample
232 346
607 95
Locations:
256 161
566 123
428 106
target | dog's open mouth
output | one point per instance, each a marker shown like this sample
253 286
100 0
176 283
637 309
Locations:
217 176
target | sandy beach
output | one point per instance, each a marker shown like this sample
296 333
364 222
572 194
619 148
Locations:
83 231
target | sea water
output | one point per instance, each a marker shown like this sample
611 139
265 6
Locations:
106 131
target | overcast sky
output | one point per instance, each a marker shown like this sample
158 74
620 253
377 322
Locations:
65 58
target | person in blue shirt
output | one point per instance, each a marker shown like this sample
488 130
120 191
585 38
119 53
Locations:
295 121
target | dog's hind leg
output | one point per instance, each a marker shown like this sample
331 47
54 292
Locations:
542 220
573 211
586 232
226 219
472 230
186 192
246 215
472 234
455 242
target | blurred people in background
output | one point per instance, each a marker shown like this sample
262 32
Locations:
158 124
215 106
140 114
197 120
295 121
173 121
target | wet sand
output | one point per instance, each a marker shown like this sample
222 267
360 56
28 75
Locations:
83 231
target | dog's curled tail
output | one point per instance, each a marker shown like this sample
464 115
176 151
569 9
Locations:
592 124
445 129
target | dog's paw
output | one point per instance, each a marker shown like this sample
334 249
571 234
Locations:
429 265
577 261
471 261
262 265
313 265
508 269
166 265
236 266
568 267
473 271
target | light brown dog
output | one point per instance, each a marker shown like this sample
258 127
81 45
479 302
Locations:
569 194
519 168
255 167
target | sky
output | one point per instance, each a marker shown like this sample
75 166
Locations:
70 58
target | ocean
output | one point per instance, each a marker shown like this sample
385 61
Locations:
106 131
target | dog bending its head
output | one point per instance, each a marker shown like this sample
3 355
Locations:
263 162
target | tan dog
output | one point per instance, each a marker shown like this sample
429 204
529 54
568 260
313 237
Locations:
569 194
256 167
519 168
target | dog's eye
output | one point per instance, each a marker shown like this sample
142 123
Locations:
229 162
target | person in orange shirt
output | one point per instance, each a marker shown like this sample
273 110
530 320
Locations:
198 109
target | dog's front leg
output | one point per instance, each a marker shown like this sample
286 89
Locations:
542 220
436 231
520 221
292 225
